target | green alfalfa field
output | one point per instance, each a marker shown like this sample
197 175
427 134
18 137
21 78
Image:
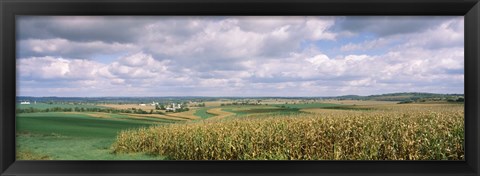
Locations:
71 136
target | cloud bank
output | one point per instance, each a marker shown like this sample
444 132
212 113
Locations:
238 56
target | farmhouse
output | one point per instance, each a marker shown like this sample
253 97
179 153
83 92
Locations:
174 107
25 102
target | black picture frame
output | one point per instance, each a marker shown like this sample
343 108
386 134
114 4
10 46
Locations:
10 8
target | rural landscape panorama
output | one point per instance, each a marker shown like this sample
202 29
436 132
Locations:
240 88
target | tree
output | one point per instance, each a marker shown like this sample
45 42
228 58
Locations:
461 99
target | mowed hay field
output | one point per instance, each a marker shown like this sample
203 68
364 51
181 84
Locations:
190 114
219 113
383 132
181 115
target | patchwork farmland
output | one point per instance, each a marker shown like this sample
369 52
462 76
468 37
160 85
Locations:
254 128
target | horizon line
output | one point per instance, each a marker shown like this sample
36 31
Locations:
235 96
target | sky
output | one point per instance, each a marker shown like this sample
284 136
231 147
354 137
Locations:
102 56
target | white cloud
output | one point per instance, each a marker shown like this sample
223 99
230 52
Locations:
137 66
447 34
69 49
367 45
56 68
238 37
241 55
316 29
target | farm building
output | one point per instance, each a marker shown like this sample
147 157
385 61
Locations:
174 107
24 102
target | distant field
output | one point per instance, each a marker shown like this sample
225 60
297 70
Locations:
219 113
273 101
128 106
178 115
312 105
147 118
216 103
202 113
66 136
246 110
155 116
190 114
45 106
358 102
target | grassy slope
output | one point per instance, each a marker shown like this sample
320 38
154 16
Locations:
61 136
202 113
287 109
246 110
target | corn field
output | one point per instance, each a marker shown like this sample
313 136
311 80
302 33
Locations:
393 132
